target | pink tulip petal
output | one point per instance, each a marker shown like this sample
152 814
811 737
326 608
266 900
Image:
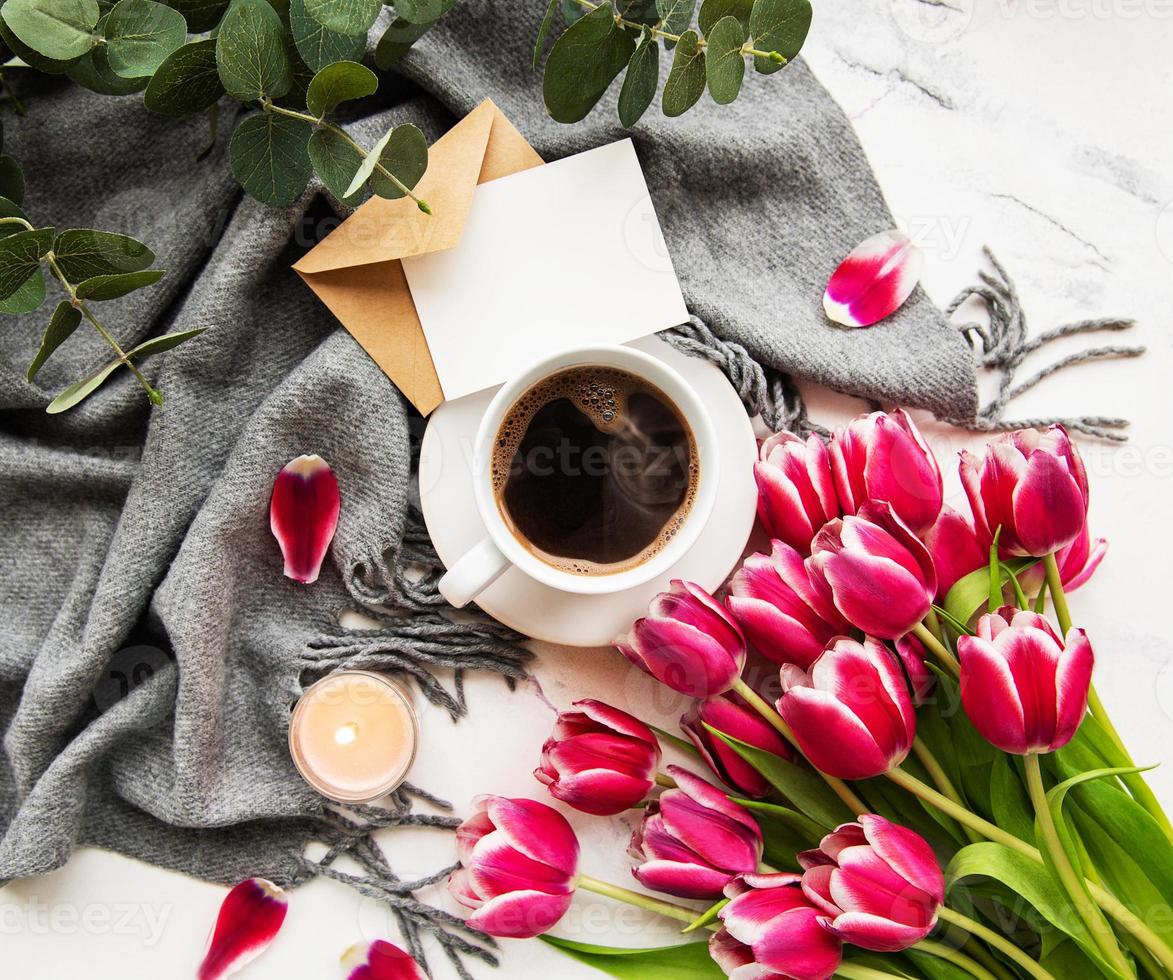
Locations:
876 933
472 830
831 737
539 832
799 946
613 718
250 918
599 750
874 281
711 798
989 697
874 594
519 915
1048 507
601 792
728 953
906 852
683 657
497 868
864 882
1072 680
816 886
714 837
461 888
681 880
380 960
749 915
303 515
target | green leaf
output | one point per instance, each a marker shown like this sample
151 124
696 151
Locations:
140 34
707 916
639 84
82 253
936 968
250 52
101 288
318 45
397 40
809 830
49 66
972 591
20 257
11 181
778 25
92 70
724 63
544 32
714 10
156 345
639 11
675 15
423 11
405 155
82 390
689 961
8 209
28 296
337 83
270 157
572 11
801 787
583 62
686 80
61 325
58 29
187 82
335 161
1009 800
353 17
201 15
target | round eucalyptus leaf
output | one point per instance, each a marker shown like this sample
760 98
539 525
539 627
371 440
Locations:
187 81
583 63
638 11
319 46
396 41
713 10
641 80
337 83
201 15
20 258
28 296
353 17
779 25
140 34
405 155
336 162
101 288
544 32
686 80
48 66
10 209
83 253
58 29
724 62
675 15
62 323
92 70
250 52
11 180
423 11
269 157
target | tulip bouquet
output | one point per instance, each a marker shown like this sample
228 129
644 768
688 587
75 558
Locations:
928 787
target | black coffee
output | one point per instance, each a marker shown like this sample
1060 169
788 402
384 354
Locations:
594 470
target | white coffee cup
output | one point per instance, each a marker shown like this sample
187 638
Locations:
478 568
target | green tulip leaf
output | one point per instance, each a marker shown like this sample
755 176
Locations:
686 80
641 80
397 40
79 392
689 961
724 62
353 17
336 162
201 15
707 916
423 11
318 45
809 830
11 180
64 321
187 82
140 34
92 71
337 83
675 16
1009 799
714 10
935 968
58 29
101 288
251 55
584 61
972 592
29 295
270 157
83 253
781 26
20 258
544 32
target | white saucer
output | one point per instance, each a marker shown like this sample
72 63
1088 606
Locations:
515 599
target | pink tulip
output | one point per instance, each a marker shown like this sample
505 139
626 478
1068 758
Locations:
599 759
882 456
914 659
694 839
880 575
1033 485
874 281
1024 689
380 960
250 917
785 615
956 549
687 641
796 495
520 860
732 716
1076 563
303 515
851 715
878 884
771 931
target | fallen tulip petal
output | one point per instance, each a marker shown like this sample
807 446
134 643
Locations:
380 960
249 920
874 280
303 514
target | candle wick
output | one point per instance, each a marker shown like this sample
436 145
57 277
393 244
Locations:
346 734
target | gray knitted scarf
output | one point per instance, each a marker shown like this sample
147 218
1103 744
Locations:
150 649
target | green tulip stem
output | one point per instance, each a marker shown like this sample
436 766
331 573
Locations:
1087 910
939 650
951 955
1134 781
759 704
934 624
941 778
665 780
995 939
638 899
852 971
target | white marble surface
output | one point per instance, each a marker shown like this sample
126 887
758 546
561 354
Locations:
1043 128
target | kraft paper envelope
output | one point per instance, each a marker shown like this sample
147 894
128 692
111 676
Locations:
356 270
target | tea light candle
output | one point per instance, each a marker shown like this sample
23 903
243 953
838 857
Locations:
353 736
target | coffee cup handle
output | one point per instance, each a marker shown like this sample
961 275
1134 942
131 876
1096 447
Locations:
473 572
